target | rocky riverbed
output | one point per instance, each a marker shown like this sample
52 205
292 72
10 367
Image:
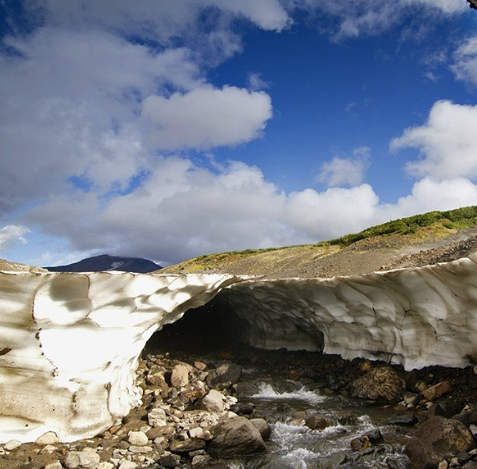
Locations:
205 411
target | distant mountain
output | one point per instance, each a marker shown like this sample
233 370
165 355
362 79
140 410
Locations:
107 262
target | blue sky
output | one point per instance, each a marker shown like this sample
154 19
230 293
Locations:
167 129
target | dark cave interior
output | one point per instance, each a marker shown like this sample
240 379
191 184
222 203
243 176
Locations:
214 326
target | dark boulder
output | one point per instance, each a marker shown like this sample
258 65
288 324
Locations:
235 437
436 439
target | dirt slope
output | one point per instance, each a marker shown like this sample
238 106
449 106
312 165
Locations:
427 246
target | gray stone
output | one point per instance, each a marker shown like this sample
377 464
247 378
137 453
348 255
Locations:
224 376
213 401
235 437
86 459
137 438
262 426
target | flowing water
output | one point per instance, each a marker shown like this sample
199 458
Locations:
285 404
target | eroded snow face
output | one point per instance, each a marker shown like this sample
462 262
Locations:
69 345
414 317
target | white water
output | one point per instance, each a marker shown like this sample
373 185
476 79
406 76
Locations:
267 391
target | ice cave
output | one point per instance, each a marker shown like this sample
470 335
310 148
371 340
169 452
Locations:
70 343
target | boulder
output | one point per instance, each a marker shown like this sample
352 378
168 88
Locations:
436 439
262 426
318 422
381 383
224 376
235 437
214 401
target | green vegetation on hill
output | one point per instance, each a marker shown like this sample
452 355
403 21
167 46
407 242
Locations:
429 228
452 219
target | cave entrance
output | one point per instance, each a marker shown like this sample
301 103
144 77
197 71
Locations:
209 328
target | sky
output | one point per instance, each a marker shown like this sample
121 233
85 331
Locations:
167 129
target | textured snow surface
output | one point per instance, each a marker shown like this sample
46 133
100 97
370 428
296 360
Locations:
69 343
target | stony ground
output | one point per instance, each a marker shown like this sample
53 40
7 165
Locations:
184 399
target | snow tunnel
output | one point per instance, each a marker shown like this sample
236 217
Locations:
233 320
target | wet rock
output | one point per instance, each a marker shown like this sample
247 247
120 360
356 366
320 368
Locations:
224 376
318 422
243 408
335 460
375 436
347 418
398 461
235 437
381 383
360 443
438 390
436 439
262 426
404 420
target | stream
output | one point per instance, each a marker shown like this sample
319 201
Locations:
286 404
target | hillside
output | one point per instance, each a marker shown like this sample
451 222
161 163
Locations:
414 241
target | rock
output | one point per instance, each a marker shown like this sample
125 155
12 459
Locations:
347 418
12 444
137 438
157 417
318 422
436 439
169 460
58 465
438 390
180 376
235 437
375 436
103 465
262 426
224 376
404 420
127 465
48 438
186 446
86 459
381 383
335 461
398 461
214 401
360 443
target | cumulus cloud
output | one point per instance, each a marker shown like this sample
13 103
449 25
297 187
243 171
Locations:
465 61
447 142
12 234
345 171
206 117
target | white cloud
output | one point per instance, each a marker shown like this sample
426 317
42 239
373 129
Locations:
345 171
12 234
465 61
447 142
206 117
428 195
